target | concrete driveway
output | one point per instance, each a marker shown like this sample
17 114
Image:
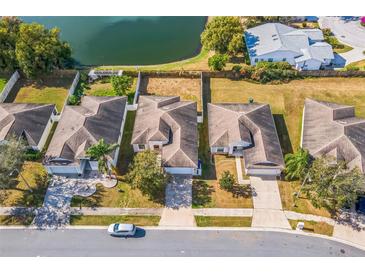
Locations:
268 211
349 32
178 200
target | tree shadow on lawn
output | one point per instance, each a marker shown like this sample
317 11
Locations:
241 191
34 196
202 193
93 201
283 133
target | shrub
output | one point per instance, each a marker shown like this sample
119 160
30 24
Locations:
362 21
33 155
273 65
352 67
236 68
227 181
264 75
121 84
304 24
218 61
73 100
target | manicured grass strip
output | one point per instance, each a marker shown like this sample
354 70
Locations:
359 64
16 220
50 136
314 227
220 221
346 48
109 219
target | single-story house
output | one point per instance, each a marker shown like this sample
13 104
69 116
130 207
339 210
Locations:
168 126
332 130
304 49
32 122
82 126
246 130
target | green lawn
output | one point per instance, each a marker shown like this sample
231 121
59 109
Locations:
346 48
104 88
16 220
359 64
218 221
19 195
314 227
52 89
199 62
2 83
121 195
287 100
109 219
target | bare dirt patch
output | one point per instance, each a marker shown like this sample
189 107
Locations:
188 89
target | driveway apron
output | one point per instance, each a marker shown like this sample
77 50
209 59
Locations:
178 200
268 211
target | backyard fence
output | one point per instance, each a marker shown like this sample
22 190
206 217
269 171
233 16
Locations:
331 73
201 113
9 86
72 89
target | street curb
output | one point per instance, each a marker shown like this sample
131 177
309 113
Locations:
177 228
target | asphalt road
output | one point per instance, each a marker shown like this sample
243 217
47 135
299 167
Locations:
96 242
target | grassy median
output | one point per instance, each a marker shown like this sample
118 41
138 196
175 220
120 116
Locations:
220 221
314 227
109 219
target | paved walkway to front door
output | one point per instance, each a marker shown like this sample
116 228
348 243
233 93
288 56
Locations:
268 211
178 211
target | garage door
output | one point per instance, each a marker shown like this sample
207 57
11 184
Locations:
262 171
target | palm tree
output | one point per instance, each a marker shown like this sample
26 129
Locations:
100 152
297 164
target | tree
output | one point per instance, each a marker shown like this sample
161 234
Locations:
121 84
100 152
222 33
12 156
146 174
227 180
297 164
9 30
218 61
236 45
332 185
253 21
40 50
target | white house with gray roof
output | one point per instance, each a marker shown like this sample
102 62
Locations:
81 127
169 126
246 130
304 49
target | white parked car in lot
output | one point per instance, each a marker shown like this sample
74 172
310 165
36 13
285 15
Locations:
123 230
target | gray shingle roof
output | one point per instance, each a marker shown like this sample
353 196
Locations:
332 129
234 122
157 116
84 125
28 120
271 37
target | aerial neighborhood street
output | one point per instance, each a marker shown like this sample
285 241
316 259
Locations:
255 146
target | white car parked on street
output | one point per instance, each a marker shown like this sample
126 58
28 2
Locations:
123 230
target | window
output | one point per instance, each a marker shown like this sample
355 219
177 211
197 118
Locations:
141 147
220 149
284 59
270 59
156 147
256 59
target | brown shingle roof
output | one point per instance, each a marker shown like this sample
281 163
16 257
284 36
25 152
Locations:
157 117
229 123
332 129
27 120
84 125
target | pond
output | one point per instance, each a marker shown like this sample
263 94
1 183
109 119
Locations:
126 40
